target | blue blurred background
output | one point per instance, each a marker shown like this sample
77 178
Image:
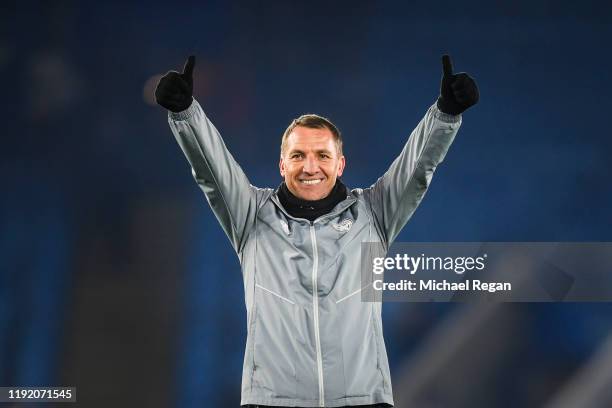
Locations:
116 278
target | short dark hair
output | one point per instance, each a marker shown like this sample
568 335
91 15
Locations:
313 121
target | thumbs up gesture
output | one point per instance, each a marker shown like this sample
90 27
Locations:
457 91
174 91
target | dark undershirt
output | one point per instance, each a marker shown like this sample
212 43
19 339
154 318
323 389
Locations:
311 210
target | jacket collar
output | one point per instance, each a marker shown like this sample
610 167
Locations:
339 208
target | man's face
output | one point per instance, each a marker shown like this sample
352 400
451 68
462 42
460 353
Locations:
311 163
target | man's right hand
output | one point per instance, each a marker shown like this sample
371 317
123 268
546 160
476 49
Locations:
175 91
457 91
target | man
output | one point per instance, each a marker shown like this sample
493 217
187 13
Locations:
311 341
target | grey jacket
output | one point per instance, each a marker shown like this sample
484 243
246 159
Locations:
311 341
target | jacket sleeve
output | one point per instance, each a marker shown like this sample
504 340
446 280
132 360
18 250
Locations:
227 189
396 195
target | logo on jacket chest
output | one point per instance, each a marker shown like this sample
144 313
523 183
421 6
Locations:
285 227
343 226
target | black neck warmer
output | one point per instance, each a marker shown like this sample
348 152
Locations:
311 210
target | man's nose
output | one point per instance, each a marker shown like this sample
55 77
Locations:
310 165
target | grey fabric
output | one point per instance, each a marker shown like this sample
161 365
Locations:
357 406
311 341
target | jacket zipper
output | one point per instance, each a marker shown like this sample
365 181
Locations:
315 306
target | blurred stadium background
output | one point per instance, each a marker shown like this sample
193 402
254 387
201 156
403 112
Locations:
114 275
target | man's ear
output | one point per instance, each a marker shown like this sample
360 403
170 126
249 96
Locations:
281 167
341 165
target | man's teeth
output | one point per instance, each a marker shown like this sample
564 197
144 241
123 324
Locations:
317 181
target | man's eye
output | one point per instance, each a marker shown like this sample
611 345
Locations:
324 156
296 156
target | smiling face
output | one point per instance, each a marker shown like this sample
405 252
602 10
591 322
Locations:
311 162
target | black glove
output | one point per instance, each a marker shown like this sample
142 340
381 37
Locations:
457 91
175 91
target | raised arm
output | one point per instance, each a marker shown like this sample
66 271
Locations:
227 189
396 195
